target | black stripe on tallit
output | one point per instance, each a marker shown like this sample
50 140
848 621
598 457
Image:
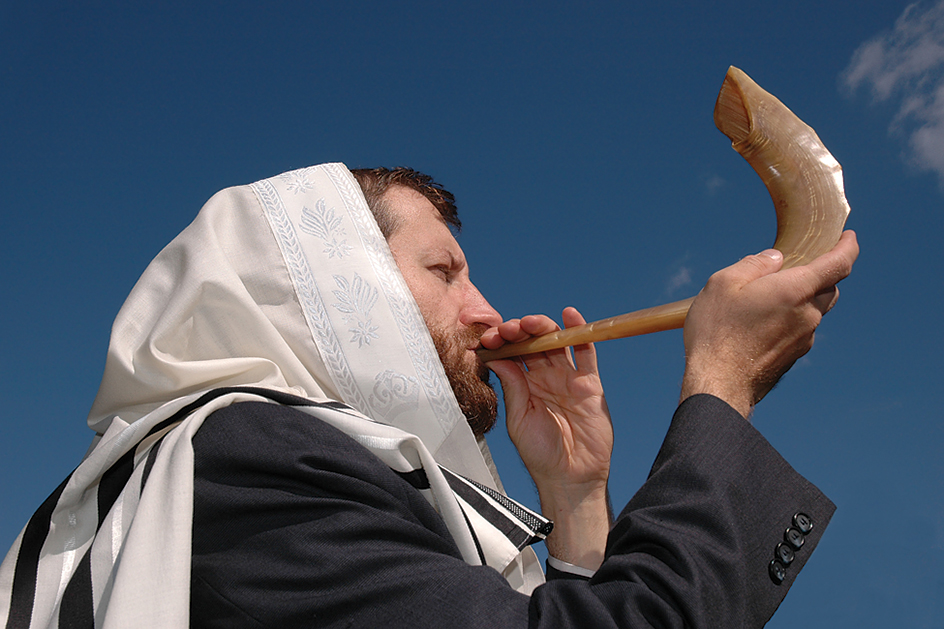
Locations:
149 463
77 604
113 482
78 592
506 524
76 610
475 538
286 399
279 397
23 591
536 524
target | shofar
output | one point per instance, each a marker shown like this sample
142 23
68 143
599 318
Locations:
803 179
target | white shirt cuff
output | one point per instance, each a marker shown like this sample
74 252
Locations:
563 566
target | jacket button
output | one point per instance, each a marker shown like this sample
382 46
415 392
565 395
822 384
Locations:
794 537
803 522
777 572
784 553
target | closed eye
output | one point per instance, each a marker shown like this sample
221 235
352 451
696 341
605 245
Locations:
443 271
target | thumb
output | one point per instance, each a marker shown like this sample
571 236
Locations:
756 266
513 382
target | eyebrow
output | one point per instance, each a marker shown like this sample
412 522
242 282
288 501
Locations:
457 261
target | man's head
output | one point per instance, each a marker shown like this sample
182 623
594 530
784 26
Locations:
415 215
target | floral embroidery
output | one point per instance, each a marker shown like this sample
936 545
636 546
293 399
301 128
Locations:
355 300
323 223
297 181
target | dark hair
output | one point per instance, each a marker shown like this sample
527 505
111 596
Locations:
375 182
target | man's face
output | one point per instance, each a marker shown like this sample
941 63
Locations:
456 313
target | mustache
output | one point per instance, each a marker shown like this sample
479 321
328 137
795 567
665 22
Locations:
472 334
467 338
452 348
460 340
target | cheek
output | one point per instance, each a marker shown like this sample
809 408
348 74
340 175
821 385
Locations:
430 296
438 313
420 290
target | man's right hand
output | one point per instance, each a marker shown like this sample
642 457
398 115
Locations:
751 323
558 420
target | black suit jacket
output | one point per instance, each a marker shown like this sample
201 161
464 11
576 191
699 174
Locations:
296 525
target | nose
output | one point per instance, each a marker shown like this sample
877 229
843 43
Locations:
476 309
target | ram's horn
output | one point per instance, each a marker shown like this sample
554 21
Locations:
804 181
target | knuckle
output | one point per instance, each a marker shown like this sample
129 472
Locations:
719 281
811 318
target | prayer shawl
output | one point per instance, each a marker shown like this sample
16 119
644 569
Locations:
281 291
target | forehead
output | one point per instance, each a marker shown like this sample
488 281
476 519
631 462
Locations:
419 224
408 205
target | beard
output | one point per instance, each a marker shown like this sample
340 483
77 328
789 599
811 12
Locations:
470 380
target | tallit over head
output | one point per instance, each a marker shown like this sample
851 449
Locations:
284 286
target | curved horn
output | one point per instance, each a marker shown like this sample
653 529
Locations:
803 179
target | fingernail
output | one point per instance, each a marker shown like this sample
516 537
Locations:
773 254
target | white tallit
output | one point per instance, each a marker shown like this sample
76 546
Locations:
285 285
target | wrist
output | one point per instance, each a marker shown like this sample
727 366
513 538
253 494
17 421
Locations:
582 517
724 386
583 501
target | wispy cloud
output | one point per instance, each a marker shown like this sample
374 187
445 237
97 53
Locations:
713 184
906 66
682 278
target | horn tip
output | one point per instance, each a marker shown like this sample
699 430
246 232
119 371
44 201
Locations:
731 114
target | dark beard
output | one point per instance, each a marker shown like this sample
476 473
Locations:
471 383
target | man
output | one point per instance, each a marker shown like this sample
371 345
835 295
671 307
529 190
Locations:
457 315
276 444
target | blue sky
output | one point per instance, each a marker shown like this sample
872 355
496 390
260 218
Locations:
580 145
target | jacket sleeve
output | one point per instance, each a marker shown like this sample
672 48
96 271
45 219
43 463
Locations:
296 525
695 546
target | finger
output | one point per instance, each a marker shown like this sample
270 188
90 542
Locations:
823 273
835 299
517 330
551 359
754 267
491 339
536 325
836 264
826 299
585 355
514 386
511 331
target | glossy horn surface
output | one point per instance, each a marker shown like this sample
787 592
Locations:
804 181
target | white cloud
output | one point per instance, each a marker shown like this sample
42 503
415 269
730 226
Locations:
681 279
906 66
